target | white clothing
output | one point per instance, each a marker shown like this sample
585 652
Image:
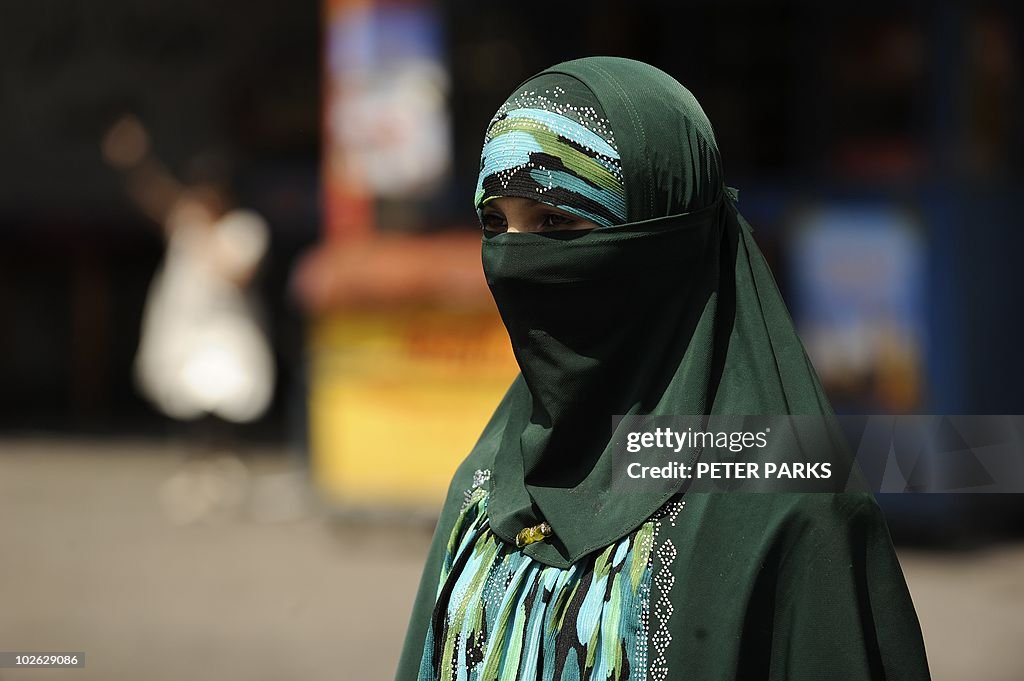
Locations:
202 349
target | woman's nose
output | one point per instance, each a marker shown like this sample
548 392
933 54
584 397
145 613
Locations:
519 226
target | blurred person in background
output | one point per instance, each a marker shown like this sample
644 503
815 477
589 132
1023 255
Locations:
203 356
630 284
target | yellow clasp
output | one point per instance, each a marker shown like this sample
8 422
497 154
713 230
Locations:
529 535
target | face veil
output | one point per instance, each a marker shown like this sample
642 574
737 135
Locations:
540 567
667 308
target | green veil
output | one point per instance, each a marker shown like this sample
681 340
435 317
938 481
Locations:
670 311
674 312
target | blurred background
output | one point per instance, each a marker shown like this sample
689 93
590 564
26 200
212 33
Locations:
245 339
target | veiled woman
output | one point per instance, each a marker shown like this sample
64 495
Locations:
630 285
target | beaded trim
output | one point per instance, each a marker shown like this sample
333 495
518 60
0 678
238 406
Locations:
584 115
480 478
664 580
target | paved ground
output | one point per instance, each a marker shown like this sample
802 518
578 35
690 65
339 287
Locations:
229 575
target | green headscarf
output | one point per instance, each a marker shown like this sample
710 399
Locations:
667 308
672 312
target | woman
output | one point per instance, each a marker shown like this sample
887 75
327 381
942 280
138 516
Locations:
630 284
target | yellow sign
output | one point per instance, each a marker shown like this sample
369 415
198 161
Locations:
399 397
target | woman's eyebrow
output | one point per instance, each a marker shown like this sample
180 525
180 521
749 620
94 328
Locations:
546 208
570 216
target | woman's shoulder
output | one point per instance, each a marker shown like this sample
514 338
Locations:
821 509
782 519
800 507
819 504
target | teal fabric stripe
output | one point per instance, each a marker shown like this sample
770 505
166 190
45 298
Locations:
508 617
614 201
569 129
506 152
534 151
503 153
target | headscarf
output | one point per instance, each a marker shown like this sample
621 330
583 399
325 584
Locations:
551 142
667 309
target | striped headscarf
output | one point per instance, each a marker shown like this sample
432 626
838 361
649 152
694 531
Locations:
551 142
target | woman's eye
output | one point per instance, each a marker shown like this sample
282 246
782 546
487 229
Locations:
493 222
557 220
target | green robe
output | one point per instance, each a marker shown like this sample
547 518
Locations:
762 586
671 312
